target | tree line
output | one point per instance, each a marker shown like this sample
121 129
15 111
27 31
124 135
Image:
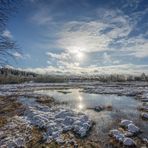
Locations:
9 75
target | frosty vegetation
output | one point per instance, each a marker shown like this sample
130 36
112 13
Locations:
8 75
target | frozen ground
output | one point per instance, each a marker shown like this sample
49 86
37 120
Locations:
52 119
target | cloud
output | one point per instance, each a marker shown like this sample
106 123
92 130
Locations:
27 56
107 59
135 46
131 3
7 34
106 36
110 33
41 17
17 55
83 36
92 70
94 35
63 59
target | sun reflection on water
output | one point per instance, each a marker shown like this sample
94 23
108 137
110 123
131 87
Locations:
80 105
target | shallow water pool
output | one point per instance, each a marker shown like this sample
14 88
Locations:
81 101
123 107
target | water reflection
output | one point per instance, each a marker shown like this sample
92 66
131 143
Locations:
80 105
80 97
123 107
81 101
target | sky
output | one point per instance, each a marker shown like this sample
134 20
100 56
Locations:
81 36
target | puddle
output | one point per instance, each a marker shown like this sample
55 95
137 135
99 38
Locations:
81 101
123 107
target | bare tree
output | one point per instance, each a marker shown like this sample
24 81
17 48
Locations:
7 45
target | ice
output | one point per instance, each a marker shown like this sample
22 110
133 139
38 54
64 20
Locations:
129 142
144 116
119 136
55 120
122 135
126 88
125 123
98 108
144 108
15 133
133 128
60 141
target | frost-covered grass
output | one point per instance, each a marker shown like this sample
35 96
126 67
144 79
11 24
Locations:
30 119
51 121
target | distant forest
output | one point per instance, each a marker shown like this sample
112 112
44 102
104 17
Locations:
13 76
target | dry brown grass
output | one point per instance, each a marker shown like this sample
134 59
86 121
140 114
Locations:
3 121
9 107
45 100
36 140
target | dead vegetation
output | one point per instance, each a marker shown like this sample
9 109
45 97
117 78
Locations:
3 121
9 107
37 139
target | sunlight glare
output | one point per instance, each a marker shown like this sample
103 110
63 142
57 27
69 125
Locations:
79 55
77 52
80 106
80 98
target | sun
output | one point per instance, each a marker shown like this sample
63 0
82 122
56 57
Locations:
79 55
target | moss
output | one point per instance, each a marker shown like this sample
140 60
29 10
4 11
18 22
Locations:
11 108
3 121
54 145
36 140
109 108
45 100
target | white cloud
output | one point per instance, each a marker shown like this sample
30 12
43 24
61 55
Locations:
96 36
92 36
41 17
109 60
116 62
63 59
92 70
110 32
114 27
131 3
135 46
83 36
7 34
17 55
